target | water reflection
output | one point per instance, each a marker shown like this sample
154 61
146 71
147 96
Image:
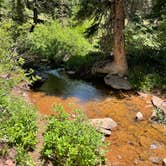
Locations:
59 84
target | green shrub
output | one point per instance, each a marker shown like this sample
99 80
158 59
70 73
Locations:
162 33
141 35
160 117
69 141
9 60
22 158
54 42
84 63
147 81
17 118
18 126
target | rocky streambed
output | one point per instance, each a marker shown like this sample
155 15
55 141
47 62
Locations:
133 141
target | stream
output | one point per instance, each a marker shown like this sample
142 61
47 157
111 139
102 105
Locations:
131 143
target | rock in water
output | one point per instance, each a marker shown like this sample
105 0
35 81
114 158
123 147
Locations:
105 123
159 103
117 82
139 116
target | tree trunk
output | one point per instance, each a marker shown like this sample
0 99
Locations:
35 16
35 13
119 39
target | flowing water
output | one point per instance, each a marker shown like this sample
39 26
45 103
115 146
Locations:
132 143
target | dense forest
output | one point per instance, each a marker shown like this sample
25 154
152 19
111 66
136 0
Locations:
119 44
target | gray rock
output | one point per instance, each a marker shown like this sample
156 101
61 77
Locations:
139 116
117 82
159 103
110 67
105 123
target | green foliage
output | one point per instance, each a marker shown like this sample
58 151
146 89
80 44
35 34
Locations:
160 117
18 126
141 36
9 60
162 33
17 118
147 69
53 41
84 63
71 141
23 159
147 82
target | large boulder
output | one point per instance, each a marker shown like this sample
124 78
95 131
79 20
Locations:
109 67
159 103
117 82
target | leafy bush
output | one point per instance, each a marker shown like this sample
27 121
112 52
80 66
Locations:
160 117
84 63
147 70
147 81
69 141
162 32
17 118
141 35
9 60
18 126
54 42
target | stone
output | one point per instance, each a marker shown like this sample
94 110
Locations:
5 76
154 160
104 131
159 103
105 123
139 116
142 95
154 115
164 162
117 82
70 72
153 146
108 67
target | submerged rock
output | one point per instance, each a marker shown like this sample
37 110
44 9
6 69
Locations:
139 116
117 82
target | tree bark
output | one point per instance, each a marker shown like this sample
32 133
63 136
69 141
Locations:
119 38
35 13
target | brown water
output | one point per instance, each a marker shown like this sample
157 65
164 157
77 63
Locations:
132 143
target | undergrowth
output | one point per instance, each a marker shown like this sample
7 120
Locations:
72 141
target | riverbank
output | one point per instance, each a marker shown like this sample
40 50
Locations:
133 142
